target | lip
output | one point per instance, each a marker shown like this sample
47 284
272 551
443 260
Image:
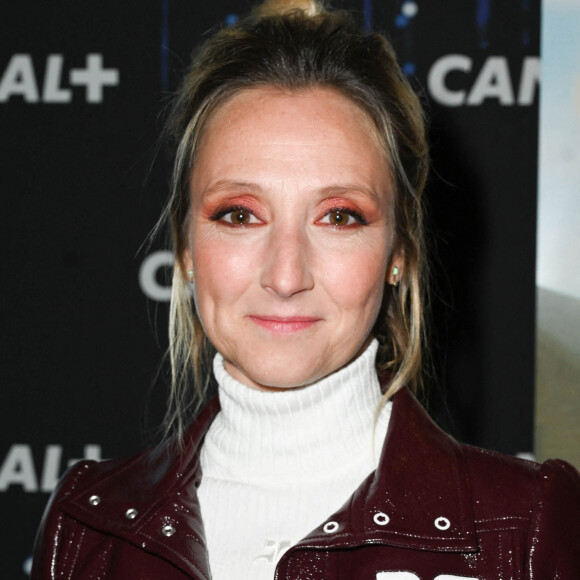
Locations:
284 324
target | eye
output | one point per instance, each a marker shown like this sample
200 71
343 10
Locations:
340 218
239 217
343 217
235 216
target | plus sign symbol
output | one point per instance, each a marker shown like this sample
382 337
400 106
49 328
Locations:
94 77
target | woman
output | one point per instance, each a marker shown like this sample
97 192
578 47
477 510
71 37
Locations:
297 227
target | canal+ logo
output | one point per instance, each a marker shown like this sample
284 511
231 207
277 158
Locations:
456 80
21 80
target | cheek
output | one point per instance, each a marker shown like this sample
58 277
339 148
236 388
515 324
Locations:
356 282
222 271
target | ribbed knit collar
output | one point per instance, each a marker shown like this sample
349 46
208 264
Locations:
264 436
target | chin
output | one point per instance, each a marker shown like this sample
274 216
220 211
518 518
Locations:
280 378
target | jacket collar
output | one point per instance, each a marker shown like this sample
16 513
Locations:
150 500
419 497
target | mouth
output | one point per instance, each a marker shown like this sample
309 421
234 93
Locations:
284 324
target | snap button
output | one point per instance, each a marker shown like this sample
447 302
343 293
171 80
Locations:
94 500
442 523
330 527
168 530
381 519
131 514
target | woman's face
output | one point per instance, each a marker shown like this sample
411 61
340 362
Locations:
290 234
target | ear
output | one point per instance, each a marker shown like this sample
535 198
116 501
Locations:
395 268
185 263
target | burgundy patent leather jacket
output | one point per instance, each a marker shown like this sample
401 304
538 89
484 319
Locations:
434 509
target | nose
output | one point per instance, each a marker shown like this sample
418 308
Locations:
287 268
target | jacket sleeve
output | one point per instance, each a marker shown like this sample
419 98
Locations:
53 533
554 535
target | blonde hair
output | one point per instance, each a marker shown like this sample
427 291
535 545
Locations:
293 45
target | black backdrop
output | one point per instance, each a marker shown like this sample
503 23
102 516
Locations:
83 86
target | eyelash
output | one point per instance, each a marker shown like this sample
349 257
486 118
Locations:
220 213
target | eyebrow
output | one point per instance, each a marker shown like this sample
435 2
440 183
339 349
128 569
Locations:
341 189
225 184
328 191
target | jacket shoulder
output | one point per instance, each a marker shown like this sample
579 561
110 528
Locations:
98 501
51 530
500 484
556 517
506 469
87 518
505 484
540 501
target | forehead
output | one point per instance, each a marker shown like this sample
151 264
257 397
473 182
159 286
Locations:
320 103
308 126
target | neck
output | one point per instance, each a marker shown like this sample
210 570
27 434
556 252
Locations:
268 436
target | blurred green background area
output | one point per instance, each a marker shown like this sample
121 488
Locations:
558 377
557 417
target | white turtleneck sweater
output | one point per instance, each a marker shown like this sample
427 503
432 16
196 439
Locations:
275 465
